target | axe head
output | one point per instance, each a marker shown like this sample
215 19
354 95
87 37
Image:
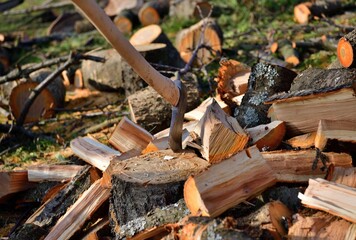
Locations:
178 111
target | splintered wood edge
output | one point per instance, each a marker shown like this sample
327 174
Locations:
345 53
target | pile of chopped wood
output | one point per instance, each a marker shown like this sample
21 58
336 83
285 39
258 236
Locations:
271 156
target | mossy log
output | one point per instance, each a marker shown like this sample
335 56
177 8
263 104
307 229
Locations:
265 80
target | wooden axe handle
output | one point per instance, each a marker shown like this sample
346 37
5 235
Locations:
163 85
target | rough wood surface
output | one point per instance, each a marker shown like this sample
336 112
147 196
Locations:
188 39
265 80
334 198
13 181
152 112
197 113
52 172
128 135
303 141
224 185
346 50
342 175
296 166
220 135
93 152
143 183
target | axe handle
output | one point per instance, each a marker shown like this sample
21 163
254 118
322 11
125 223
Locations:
163 85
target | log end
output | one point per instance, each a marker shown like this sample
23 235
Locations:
146 35
149 15
302 13
345 53
123 24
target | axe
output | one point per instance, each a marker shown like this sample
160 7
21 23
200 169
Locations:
172 91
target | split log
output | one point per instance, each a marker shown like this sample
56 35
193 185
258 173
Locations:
346 50
197 113
75 217
334 198
302 141
232 80
93 152
126 20
228 183
153 12
265 80
303 12
154 34
149 110
342 175
64 23
52 172
296 166
220 135
141 184
13 182
43 107
53 209
315 94
156 224
286 49
114 7
336 135
127 136
267 136
190 38
321 226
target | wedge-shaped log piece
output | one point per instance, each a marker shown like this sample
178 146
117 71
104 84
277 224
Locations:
303 141
296 166
221 135
228 183
321 226
93 152
332 133
13 181
80 212
267 136
52 172
334 198
342 175
143 183
128 135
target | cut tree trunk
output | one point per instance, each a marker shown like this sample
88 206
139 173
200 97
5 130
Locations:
79 212
149 110
154 34
333 198
143 183
13 182
342 175
336 135
228 183
296 166
153 12
232 80
114 7
47 215
57 173
303 12
285 49
303 141
190 38
43 107
93 152
315 94
126 20
127 136
220 135
321 226
267 136
265 80
346 50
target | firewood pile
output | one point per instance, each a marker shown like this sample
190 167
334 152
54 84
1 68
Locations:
271 155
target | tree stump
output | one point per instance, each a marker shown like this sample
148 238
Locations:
265 80
51 97
152 112
346 50
154 34
143 183
188 39
153 12
126 20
